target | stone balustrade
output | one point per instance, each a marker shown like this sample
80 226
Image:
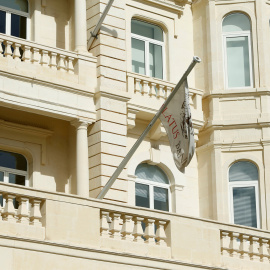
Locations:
245 246
160 89
27 51
28 211
133 228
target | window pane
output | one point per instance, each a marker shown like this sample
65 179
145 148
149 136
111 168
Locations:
244 205
161 201
13 161
2 22
146 30
142 195
236 22
16 179
18 26
243 171
155 61
1 176
238 66
151 173
21 5
138 56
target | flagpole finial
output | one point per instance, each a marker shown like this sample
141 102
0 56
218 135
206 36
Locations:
197 59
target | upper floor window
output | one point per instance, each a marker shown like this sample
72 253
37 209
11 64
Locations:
244 196
152 187
147 43
237 51
14 18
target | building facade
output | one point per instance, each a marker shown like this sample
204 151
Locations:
69 114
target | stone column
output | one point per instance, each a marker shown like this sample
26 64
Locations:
80 25
82 170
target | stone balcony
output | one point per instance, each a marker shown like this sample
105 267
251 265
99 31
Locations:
49 80
148 95
83 226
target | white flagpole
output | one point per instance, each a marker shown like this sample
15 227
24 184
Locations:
104 191
95 32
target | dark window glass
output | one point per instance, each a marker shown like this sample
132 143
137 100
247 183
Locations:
13 161
17 179
142 195
18 26
161 201
1 177
2 22
244 204
21 5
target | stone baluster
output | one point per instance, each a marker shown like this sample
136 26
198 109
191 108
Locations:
158 89
23 212
138 231
160 233
235 244
191 103
137 85
264 247
161 92
244 246
254 248
9 210
70 64
16 52
168 91
35 56
62 62
35 214
127 228
44 60
225 243
53 63
116 225
104 225
149 233
26 53
144 87
152 89
8 50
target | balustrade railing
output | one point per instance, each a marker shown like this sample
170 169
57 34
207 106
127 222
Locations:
159 89
27 51
28 211
126 226
245 246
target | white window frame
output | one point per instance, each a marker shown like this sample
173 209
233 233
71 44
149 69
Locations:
151 185
20 13
147 41
234 35
242 184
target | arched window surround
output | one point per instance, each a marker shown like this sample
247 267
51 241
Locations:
152 185
148 41
8 13
246 38
255 184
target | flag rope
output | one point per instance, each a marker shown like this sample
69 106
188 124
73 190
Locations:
116 173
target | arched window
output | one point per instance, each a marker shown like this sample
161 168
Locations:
152 187
147 43
244 195
14 18
236 31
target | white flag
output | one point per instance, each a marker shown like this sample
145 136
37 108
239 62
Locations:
176 118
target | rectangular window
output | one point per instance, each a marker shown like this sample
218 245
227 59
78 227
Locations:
161 201
142 195
155 61
138 56
18 26
244 206
238 61
2 22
